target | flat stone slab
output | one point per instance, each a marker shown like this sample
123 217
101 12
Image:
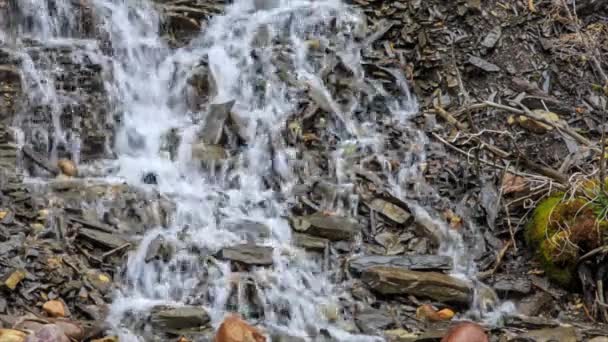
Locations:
407 262
248 254
433 285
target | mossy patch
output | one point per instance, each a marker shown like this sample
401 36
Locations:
564 228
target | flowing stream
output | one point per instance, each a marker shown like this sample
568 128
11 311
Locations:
265 56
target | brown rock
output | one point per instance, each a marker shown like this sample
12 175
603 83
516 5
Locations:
67 167
465 332
12 335
55 308
234 329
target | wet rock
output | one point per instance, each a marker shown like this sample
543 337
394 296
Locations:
332 227
483 64
466 332
407 262
108 240
174 319
310 242
211 133
398 281
372 321
599 339
67 167
208 153
234 329
562 334
248 254
251 230
158 250
55 308
40 160
390 210
99 280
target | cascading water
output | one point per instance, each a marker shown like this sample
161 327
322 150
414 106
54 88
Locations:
265 56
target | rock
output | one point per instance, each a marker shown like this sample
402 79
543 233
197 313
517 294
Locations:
332 227
213 127
208 153
483 64
12 335
248 254
331 311
173 319
466 332
509 283
251 230
372 321
407 262
398 281
492 37
99 280
310 242
390 210
67 167
234 329
599 339
40 160
111 241
12 279
49 333
158 250
562 334
55 308
533 305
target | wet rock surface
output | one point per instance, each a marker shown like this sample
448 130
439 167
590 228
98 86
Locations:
65 240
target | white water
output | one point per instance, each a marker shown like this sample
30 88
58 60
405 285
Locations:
149 86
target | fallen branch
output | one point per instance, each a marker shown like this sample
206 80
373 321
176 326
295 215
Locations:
546 171
525 111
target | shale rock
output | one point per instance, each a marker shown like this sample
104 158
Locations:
331 227
398 281
175 319
407 262
248 254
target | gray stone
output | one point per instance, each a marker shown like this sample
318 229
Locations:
510 283
407 262
248 254
110 241
492 37
331 227
310 242
211 134
398 281
390 210
483 64
179 318
561 334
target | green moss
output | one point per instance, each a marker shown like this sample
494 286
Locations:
560 231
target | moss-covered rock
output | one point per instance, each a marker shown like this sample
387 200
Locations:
564 228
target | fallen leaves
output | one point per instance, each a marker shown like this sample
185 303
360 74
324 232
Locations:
428 313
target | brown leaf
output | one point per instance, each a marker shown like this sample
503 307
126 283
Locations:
512 184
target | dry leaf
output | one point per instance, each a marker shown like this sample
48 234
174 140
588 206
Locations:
512 183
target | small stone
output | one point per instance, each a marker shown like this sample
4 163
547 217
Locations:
12 335
234 329
55 308
67 167
331 227
208 153
492 38
483 64
331 311
390 210
13 279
